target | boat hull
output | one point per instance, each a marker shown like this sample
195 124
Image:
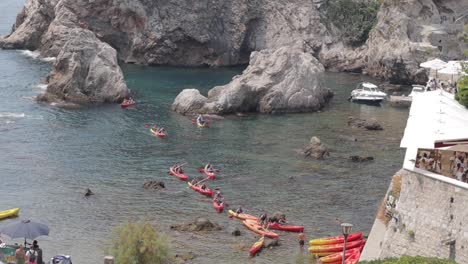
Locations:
9 213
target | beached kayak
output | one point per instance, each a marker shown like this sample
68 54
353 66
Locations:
242 216
127 104
289 228
255 227
351 259
338 256
198 189
333 248
156 133
181 176
257 246
335 239
9 213
218 207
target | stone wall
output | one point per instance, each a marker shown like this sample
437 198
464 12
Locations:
430 219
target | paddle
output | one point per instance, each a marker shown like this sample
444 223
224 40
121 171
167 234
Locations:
148 125
202 170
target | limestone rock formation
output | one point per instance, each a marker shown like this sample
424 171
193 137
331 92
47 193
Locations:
315 149
199 224
276 81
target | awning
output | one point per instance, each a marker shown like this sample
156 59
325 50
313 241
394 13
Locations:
435 116
435 64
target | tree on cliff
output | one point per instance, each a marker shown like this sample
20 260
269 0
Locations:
462 95
139 243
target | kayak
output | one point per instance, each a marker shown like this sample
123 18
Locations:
257 246
200 125
242 216
198 189
338 256
209 175
9 213
335 239
181 176
333 248
156 133
218 207
255 227
289 228
127 104
351 259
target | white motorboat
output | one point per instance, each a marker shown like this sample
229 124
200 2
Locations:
417 89
367 93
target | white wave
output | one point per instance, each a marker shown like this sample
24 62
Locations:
42 87
49 59
11 115
33 54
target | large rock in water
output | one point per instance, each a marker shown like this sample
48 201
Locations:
276 81
86 70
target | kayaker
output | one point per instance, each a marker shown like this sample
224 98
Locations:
239 210
161 130
301 238
218 196
194 181
263 218
203 186
208 167
200 119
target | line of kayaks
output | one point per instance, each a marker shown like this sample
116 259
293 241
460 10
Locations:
9 213
330 249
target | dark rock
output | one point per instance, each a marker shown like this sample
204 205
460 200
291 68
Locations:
369 124
316 149
184 257
199 224
88 192
269 243
154 185
360 159
236 232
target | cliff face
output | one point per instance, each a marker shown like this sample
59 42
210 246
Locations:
223 32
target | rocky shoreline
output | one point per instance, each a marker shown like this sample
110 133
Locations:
89 37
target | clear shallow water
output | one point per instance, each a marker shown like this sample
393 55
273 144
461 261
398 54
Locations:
49 155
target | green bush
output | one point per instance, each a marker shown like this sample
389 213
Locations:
138 243
354 19
409 260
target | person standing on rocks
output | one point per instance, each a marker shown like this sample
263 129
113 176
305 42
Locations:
301 238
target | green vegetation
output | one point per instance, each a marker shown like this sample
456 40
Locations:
354 19
410 260
139 243
462 95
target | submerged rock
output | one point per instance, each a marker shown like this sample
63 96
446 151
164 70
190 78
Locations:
360 159
316 149
276 81
369 124
236 232
199 224
154 185
270 243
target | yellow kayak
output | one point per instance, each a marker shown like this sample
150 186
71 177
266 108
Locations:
9 213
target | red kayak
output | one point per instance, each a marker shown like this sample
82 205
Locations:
333 248
288 228
127 104
198 189
351 259
181 176
257 246
338 256
335 239
257 228
157 133
218 207
209 175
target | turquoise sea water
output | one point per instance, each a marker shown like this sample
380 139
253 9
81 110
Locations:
49 155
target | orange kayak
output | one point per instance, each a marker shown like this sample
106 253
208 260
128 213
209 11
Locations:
338 256
242 216
255 227
335 247
335 239
352 259
257 246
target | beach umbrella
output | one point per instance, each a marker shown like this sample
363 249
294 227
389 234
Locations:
452 68
435 64
24 228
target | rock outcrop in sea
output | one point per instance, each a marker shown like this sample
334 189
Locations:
197 33
276 81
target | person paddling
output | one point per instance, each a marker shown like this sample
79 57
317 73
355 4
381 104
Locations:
263 219
218 197
200 119
239 210
161 130
209 168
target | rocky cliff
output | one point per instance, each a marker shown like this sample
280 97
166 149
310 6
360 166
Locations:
222 32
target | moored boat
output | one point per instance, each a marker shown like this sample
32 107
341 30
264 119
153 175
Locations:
366 92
